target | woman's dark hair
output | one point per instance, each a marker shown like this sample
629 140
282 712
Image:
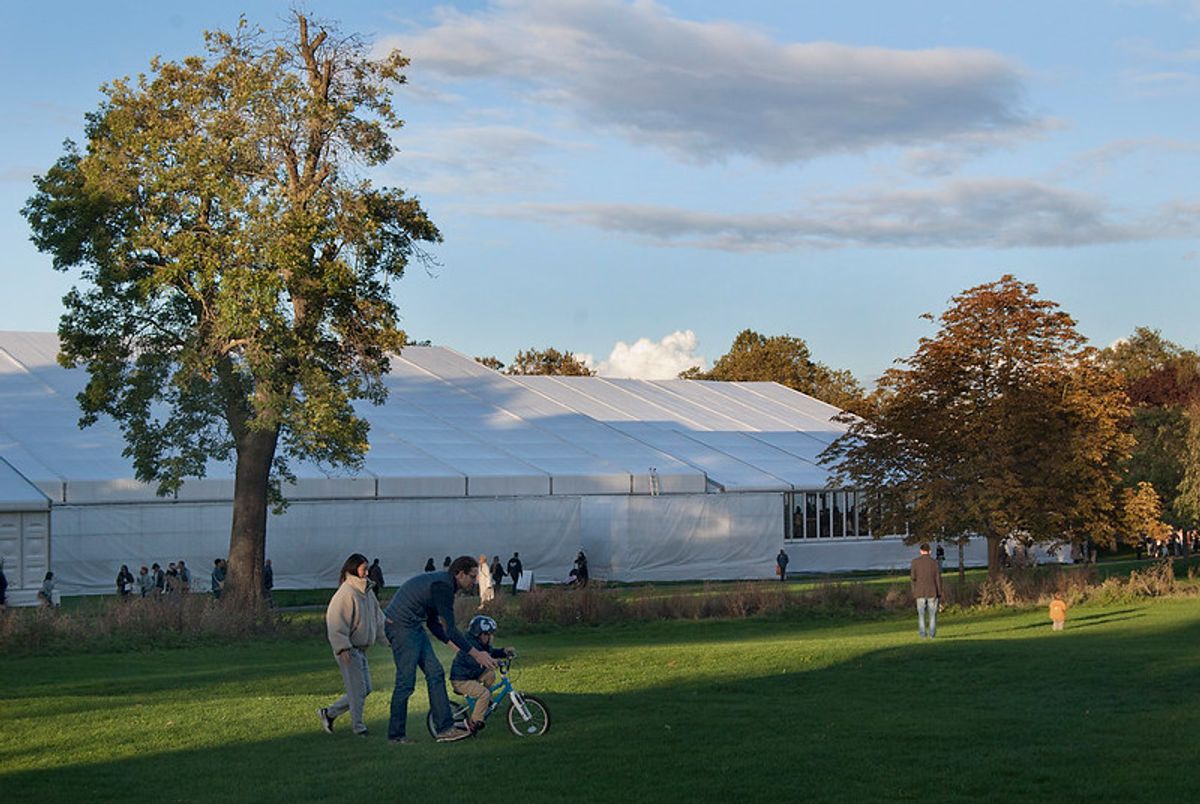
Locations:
463 564
352 564
49 575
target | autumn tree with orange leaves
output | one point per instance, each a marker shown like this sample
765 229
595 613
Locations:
1002 424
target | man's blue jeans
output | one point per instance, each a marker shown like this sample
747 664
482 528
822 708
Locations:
927 605
411 649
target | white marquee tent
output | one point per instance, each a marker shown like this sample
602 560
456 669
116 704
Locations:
655 480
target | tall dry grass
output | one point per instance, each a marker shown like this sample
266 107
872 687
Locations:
141 623
598 605
187 620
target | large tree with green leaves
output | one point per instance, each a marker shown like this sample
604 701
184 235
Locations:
235 263
1162 380
1002 424
783 359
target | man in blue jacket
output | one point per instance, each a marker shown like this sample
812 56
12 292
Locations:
427 602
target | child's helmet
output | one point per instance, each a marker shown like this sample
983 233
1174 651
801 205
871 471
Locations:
481 624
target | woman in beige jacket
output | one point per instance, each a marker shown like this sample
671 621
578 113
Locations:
353 622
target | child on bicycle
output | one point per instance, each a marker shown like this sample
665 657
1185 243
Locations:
468 677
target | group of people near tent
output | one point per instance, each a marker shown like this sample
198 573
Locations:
153 581
491 574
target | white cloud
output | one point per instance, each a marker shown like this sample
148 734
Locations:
975 213
1104 158
475 159
945 158
712 90
1164 81
649 360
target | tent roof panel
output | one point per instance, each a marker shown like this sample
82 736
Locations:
452 426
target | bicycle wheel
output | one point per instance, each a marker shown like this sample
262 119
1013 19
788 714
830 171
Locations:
458 713
536 724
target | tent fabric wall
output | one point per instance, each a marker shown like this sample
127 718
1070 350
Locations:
645 538
682 537
25 553
866 553
308 543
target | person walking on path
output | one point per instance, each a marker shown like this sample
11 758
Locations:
145 582
927 589
218 577
45 595
486 590
497 572
353 623
781 562
375 576
427 602
579 573
268 581
515 569
124 581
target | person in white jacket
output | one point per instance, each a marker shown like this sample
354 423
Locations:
353 622
486 590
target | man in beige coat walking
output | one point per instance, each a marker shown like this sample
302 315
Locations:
927 589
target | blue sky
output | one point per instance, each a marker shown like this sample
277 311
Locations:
639 181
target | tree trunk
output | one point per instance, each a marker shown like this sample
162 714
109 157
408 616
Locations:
962 569
993 554
248 535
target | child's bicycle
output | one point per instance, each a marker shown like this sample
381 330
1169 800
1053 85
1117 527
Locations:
527 715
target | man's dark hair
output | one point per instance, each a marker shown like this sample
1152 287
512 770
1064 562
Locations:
462 564
351 566
924 547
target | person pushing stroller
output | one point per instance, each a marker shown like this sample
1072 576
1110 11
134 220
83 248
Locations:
469 678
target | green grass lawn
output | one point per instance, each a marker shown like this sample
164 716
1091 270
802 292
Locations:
997 708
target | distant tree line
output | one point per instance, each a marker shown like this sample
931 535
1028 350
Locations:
786 360
548 361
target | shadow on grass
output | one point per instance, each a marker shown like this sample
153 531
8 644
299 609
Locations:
999 719
1083 621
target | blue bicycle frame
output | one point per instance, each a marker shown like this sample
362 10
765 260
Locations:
499 691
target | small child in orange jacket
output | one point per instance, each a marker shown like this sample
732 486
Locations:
1058 612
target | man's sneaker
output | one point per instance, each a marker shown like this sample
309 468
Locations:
476 726
451 734
401 740
326 720
362 733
